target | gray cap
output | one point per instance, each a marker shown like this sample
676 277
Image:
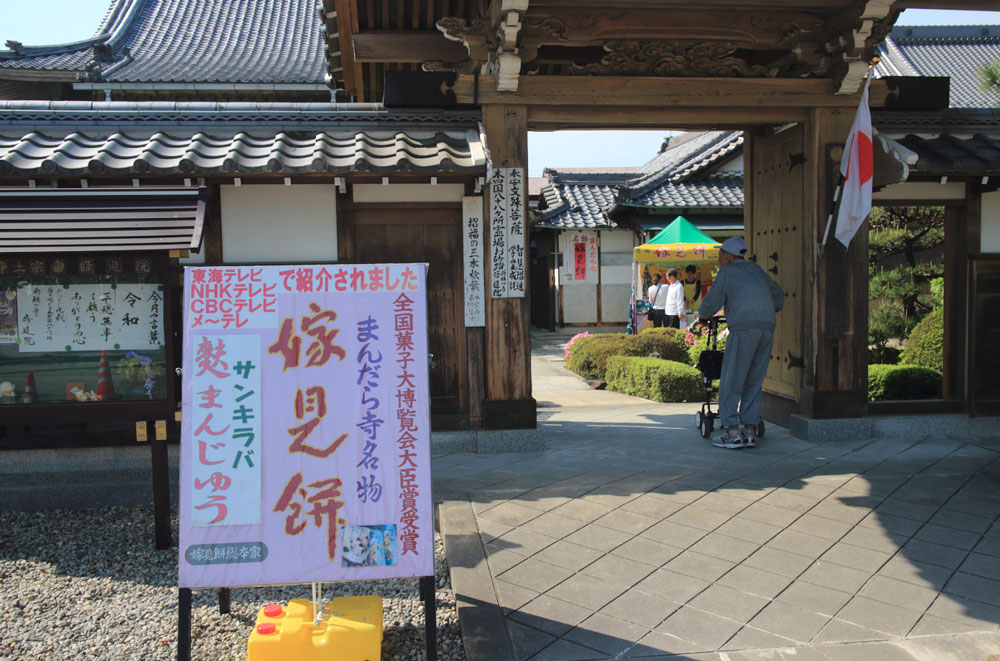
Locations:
735 245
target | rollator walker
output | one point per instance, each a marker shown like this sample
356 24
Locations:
710 366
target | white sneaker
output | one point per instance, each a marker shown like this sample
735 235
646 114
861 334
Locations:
725 440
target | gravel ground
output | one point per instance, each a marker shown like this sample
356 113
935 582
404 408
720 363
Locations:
89 585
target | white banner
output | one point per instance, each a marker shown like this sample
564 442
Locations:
90 317
579 258
472 241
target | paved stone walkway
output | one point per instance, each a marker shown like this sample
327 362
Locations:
631 537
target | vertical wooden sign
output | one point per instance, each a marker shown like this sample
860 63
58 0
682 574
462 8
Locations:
472 254
498 233
507 259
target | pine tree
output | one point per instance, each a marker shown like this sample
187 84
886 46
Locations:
897 275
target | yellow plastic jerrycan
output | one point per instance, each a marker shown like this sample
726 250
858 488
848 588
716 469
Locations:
350 631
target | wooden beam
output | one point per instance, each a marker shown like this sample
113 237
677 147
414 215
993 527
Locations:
347 26
406 47
694 93
508 351
553 118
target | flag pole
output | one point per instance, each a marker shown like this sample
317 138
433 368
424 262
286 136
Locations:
833 210
840 178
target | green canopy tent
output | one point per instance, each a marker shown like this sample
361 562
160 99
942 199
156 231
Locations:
675 246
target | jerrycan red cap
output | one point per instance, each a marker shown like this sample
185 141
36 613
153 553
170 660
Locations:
266 628
273 610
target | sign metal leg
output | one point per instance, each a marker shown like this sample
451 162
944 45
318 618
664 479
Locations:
184 624
430 616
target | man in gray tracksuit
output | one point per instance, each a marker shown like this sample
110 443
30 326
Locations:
750 298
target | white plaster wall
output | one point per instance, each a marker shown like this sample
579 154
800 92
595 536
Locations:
616 257
919 190
614 303
408 192
273 223
579 304
616 274
989 240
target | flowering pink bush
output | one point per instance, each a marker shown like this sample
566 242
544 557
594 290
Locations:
572 340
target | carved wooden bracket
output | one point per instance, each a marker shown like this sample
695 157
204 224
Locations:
492 44
658 58
856 46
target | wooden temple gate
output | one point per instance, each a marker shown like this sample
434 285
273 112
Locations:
787 72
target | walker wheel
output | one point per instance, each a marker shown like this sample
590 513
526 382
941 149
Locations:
760 429
698 418
706 427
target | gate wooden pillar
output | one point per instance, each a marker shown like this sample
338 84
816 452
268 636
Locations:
508 403
835 383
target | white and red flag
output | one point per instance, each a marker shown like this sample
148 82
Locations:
857 168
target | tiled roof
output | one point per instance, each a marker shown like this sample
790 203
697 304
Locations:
679 176
960 52
719 190
192 41
579 198
947 154
39 138
954 142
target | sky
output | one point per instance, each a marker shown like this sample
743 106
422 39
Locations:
60 21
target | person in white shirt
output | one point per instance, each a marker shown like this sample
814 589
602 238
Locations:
657 296
674 306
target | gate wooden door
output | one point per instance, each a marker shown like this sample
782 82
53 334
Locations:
432 235
776 227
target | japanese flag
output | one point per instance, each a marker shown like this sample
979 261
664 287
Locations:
857 167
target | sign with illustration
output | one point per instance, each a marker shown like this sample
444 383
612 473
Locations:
89 317
305 446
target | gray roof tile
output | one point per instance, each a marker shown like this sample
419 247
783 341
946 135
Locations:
720 190
680 176
195 41
960 52
75 138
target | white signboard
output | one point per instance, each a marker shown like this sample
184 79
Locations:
90 317
507 258
472 240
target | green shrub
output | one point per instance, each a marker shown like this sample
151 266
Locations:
912 382
876 381
589 355
925 345
654 378
665 343
903 382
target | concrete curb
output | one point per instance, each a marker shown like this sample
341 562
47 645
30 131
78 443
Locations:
894 426
480 619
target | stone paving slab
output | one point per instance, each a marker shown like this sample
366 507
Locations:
629 536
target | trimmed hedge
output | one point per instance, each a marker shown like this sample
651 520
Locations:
903 382
654 378
925 345
589 356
